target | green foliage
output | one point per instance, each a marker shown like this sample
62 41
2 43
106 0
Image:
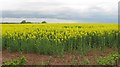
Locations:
20 61
109 60
85 61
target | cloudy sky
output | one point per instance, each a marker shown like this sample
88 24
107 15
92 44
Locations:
60 10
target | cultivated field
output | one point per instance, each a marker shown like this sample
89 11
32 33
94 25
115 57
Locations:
61 43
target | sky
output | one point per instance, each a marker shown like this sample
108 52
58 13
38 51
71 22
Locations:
104 11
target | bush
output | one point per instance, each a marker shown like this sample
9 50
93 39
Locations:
20 61
43 22
109 60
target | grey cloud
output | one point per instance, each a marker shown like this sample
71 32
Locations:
94 14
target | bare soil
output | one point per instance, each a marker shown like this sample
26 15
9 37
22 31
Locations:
67 59
0 57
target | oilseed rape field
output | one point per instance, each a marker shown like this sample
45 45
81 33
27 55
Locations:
59 39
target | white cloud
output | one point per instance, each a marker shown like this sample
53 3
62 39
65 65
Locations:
85 8
41 4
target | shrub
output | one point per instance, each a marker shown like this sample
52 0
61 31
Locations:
43 22
20 61
109 60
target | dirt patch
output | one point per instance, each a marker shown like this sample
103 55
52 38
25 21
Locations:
67 59
0 57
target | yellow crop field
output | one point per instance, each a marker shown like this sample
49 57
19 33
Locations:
58 38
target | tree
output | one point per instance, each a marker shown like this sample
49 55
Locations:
24 21
43 22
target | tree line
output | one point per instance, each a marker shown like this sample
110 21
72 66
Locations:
22 22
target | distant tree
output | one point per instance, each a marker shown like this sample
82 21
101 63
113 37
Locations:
24 21
28 22
43 22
